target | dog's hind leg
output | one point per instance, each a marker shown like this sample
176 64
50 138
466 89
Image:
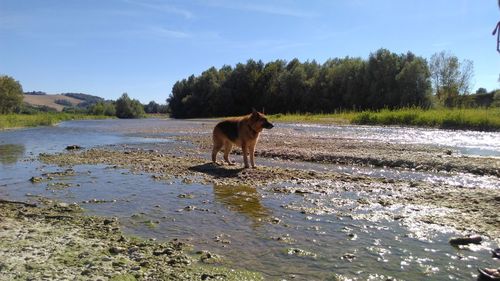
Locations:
217 147
227 149
244 148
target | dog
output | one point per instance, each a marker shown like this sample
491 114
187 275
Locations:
241 131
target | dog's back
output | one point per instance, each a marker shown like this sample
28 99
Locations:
227 129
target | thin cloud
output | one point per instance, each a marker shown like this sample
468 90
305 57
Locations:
164 32
263 45
279 10
162 8
275 10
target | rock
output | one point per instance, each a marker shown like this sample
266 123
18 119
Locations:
106 258
352 236
166 251
209 258
133 249
116 250
189 208
300 253
275 220
118 264
36 179
475 239
385 202
413 184
348 256
206 276
494 252
73 147
363 201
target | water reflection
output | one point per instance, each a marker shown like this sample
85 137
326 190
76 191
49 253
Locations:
10 153
242 199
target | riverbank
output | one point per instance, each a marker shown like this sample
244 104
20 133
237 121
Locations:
481 119
9 121
58 241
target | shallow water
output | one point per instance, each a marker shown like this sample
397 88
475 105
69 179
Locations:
255 228
467 142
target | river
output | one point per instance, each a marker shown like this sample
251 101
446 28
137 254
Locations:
254 227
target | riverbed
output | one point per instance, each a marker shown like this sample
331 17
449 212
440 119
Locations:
326 202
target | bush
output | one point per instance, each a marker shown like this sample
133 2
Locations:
63 102
128 108
102 108
11 95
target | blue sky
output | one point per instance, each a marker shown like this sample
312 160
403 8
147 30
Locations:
142 47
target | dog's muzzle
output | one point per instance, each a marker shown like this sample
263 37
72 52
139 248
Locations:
268 125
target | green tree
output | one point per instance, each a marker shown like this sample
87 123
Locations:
450 77
128 108
496 99
414 83
384 80
382 69
11 94
481 91
152 107
102 108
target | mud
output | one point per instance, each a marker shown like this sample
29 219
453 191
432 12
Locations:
57 241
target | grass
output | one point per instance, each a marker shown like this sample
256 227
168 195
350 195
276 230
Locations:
483 119
8 121
332 118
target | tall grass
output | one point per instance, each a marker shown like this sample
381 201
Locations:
331 118
484 119
40 119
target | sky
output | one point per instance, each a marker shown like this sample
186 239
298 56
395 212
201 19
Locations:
142 47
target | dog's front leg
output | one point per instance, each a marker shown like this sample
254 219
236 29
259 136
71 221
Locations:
252 152
244 148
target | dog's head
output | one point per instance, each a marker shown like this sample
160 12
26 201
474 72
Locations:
259 120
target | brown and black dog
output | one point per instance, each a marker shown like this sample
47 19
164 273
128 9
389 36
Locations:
241 131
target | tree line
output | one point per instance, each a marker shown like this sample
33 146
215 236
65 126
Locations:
11 101
125 107
384 80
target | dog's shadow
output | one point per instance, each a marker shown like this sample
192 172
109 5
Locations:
217 170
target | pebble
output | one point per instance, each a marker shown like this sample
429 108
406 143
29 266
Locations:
116 250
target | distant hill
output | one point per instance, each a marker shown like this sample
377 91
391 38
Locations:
60 101
50 101
87 99
35 93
